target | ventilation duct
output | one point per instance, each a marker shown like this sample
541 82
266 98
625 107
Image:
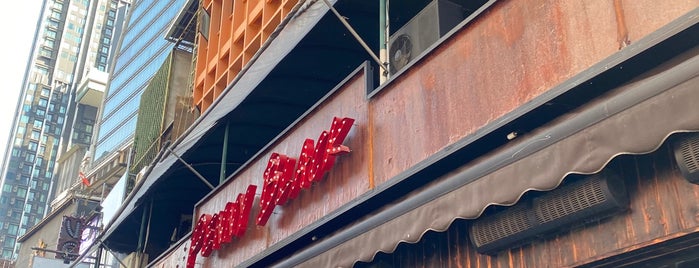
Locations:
584 200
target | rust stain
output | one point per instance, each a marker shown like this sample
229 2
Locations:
659 200
510 260
370 134
622 30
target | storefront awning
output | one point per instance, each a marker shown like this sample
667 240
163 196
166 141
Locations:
633 119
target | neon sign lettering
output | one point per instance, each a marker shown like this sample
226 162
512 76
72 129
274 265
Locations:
283 179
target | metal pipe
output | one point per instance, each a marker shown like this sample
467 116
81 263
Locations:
356 35
98 257
110 252
192 169
224 154
142 230
383 38
150 215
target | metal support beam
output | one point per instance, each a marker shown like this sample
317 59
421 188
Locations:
98 257
383 38
191 169
58 252
224 154
111 252
142 230
356 35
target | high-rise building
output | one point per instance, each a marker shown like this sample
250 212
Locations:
71 37
141 53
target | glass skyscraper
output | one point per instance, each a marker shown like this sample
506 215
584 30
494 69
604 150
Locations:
71 37
143 50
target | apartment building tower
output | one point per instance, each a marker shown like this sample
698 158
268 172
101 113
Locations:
71 38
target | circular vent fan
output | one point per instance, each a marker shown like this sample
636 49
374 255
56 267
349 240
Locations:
400 52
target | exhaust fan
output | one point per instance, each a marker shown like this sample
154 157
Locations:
687 157
584 200
431 23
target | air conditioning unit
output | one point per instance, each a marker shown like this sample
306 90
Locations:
423 30
582 201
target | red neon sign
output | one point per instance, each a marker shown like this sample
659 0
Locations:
211 231
283 180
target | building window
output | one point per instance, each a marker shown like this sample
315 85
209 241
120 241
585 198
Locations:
51 34
21 192
12 229
55 15
32 146
48 43
35 135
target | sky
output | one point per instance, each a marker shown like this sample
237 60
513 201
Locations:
19 23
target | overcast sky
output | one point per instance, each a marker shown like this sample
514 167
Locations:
18 20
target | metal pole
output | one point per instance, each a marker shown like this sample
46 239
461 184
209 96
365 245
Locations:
98 257
356 35
191 169
142 230
224 154
113 254
383 38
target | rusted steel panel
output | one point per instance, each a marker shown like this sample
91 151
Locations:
346 181
511 54
645 16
